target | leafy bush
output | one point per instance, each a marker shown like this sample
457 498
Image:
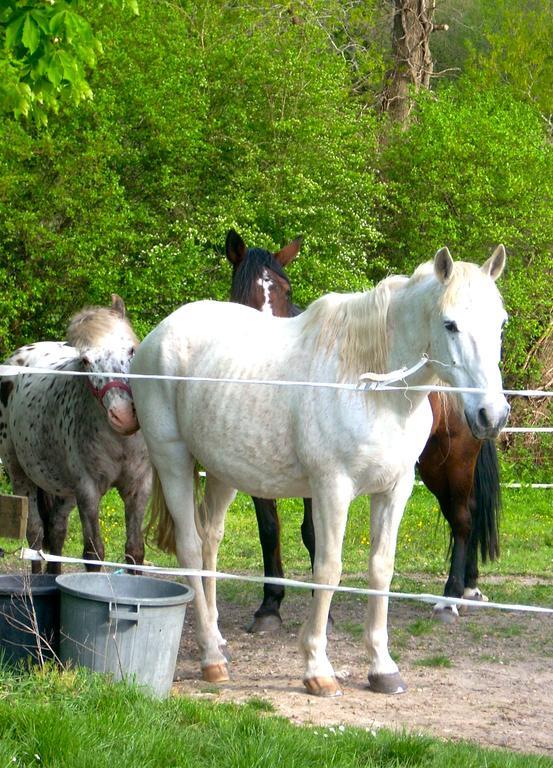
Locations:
204 117
474 169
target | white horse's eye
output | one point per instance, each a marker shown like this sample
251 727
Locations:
451 326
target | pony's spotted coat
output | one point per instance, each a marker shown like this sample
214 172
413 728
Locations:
62 445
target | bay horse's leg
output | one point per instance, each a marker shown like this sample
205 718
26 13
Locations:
267 617
446 467
175 467
88 502
331 501
457 512
308 530
386 513
218 496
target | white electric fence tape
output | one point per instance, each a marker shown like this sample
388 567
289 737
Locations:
33 554
17 370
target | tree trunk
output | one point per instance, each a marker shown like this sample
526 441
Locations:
412 25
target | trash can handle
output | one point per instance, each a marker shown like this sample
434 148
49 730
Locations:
123 612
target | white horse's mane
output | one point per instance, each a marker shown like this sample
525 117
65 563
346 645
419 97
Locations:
355 324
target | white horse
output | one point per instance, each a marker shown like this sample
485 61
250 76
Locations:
328 444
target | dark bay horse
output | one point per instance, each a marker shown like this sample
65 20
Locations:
461 471
66 440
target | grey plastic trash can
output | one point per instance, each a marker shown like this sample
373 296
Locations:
126 626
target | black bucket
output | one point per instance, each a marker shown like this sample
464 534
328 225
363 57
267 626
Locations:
29 618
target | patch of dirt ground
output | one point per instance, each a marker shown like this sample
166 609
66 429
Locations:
488 678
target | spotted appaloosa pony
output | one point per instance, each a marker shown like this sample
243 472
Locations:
329 444
461 471
66 440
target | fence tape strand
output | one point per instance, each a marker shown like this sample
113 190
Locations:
17 370
33 554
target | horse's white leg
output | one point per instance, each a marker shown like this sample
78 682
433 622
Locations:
218 496
331 501
386 513
175 467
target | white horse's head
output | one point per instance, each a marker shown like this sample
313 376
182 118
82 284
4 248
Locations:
466 331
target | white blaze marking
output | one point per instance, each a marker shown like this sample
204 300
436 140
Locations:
265 284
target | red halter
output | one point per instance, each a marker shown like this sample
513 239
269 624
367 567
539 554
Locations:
99 392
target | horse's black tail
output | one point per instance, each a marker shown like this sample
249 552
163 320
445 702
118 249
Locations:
486 502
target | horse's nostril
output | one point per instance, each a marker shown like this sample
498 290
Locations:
113 415
483 417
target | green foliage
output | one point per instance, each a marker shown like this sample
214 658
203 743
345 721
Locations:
473 170
46 49
516 40
204 117
208 115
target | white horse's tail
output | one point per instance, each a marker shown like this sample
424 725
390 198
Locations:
161 522
160 518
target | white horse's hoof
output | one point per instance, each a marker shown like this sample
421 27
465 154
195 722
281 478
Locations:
215 673
322 686
390 684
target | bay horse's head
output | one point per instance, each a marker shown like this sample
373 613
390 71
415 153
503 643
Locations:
258 277
466 326
106 344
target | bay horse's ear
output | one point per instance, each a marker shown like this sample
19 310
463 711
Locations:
496 263
235 248
117 304
289 252
443 265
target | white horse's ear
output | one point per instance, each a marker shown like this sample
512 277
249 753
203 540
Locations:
117 304
443 265
495 265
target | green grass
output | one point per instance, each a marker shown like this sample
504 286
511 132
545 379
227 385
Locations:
526 533
61 720
75 718
435 661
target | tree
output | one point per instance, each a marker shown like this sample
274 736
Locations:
412 62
